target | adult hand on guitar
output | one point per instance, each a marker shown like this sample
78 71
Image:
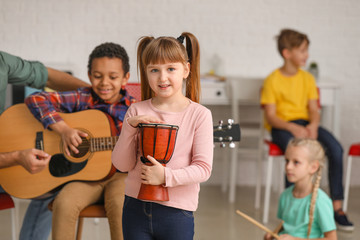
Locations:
71 137
33 160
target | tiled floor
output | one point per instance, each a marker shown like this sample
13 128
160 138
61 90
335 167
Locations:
215 218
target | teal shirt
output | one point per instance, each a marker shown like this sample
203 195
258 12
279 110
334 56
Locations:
14 70
295 213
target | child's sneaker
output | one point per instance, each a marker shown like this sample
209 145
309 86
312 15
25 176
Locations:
342 222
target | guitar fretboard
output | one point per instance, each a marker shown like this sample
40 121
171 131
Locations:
103 143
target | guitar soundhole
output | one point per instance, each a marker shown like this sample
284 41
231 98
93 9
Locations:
59 166
83 149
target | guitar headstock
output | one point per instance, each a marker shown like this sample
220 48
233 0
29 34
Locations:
229 132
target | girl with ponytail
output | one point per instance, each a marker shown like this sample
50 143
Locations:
306 210
170 89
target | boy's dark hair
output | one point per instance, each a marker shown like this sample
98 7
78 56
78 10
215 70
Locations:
289 39
110 50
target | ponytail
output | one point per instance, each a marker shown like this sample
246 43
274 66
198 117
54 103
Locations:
313 199
146 92
193 88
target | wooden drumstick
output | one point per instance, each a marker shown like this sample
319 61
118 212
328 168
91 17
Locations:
278 228
256 223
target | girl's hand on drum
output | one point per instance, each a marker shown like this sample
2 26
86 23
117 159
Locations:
153 175
135 120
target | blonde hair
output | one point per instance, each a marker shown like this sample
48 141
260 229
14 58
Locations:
316 153
169 49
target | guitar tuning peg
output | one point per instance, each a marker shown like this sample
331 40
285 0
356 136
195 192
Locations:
231 145
222 145
230 123
221 122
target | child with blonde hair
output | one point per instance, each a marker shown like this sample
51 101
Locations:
305 209
290 99
165 64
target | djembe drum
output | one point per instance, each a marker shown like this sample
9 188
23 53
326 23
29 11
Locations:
158 141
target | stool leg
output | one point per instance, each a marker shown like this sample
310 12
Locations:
347 183
79 228
96 223
17 215
281 178
267 189
233 175
225 170
13 224
258 178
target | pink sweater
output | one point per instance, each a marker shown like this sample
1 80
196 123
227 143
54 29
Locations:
191 162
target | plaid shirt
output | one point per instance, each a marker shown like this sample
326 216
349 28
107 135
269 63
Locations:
46 105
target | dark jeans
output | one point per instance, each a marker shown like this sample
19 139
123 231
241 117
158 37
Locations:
333 151
147 220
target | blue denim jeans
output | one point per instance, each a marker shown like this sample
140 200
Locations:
333 151
150 221
37 220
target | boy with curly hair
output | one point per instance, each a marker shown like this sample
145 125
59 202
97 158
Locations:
108 71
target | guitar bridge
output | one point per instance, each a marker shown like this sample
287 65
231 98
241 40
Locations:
39 141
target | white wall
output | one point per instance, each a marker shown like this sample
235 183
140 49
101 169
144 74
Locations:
241 33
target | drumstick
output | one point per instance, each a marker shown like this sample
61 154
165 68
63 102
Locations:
278 228
253 221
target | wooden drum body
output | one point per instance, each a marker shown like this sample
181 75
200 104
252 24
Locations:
157 140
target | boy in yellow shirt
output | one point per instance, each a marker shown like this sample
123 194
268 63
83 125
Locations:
290 101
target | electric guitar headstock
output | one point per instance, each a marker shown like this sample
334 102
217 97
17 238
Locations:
229 132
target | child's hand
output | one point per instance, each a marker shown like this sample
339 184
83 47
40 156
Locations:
313 131
72 139
286 237
268 236
135 120
299 131
153 175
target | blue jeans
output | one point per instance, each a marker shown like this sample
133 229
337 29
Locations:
37 220
150 221
333 151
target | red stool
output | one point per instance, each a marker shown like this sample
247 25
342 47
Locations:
354 151
6 202
273 152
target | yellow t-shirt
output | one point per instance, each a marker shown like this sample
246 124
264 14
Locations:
290 94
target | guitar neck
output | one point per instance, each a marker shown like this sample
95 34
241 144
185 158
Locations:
103 143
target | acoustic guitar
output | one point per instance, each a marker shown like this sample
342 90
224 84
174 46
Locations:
19 129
